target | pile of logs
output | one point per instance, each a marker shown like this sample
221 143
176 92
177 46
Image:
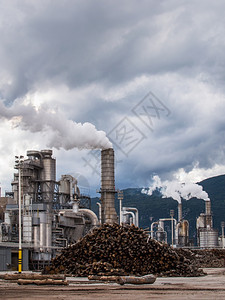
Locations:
204 258
120 250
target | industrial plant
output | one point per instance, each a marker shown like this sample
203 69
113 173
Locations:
54 214
207 236
43 215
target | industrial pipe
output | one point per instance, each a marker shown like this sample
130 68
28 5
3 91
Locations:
169 219
91 215
136 214
100 212
129 213
152 232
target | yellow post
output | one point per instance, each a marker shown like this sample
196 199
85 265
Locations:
20 261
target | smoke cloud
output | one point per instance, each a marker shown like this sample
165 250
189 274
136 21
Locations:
176 190
62 133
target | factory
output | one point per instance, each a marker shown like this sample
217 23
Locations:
55 213
207 236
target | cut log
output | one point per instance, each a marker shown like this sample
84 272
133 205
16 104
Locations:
33 276
42 282
147 279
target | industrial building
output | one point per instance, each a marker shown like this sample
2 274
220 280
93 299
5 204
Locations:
207 236
53 214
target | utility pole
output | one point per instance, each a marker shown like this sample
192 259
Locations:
18 162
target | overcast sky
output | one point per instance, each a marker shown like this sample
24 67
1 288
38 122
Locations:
150 74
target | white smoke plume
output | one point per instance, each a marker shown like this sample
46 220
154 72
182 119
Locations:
176 190
62 133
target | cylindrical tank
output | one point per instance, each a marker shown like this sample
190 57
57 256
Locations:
49 167
108 186
68 189
200 223
183 233
208 238
48 175
161 236
48 236
42 236
36 237
64 186
43 220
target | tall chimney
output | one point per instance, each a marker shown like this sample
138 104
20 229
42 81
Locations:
179 212
108 187
208 207
208 215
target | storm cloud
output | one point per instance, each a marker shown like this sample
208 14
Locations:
95 61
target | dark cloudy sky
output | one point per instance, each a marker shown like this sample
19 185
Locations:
148 73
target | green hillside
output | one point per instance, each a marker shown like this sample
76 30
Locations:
151 208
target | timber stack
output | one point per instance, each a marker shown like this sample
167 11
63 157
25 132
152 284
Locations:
204 258
120 251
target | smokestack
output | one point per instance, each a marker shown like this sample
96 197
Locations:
179 211
108 187
208 215
208 208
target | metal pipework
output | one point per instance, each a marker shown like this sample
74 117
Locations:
172 225
161 225
152 231
99 212
120 198
108 187
135 210
91 216
129 213
169 219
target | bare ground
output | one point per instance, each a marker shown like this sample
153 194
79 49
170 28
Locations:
210 287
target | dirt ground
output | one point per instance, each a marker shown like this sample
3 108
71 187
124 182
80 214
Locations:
211 286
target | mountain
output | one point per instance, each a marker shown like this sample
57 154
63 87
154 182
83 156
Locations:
152 208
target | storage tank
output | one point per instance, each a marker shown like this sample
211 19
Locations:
161 236
68 189
36 233
64 186
183 233
208 237
201 223
48 175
